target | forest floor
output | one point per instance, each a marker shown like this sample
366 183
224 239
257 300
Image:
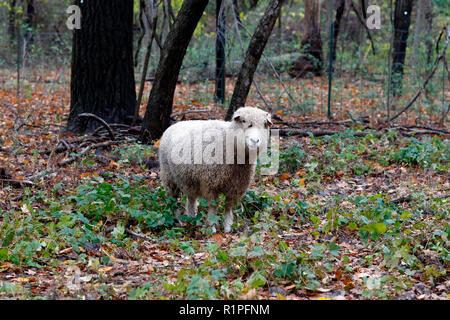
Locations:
347 216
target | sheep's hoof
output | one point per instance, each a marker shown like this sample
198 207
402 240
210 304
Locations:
227 229
213 230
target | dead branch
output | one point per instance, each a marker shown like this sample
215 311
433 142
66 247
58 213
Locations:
300 125
103 122
89 148
16 182
424 129
138 235
317 133
409 198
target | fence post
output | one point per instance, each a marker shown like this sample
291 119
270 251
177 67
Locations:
330 70
19 40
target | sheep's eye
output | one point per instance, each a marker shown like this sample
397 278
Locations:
243 121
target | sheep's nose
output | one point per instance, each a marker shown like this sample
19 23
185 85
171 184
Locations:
254 140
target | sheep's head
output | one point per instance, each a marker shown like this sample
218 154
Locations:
255 123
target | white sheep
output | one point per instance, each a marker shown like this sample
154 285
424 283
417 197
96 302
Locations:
207 158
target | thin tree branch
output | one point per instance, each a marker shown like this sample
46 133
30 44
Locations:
103 122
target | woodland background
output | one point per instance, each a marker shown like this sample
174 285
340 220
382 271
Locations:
358 209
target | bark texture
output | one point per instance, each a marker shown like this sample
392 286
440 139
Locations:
219 94
12 20
402 21
102 80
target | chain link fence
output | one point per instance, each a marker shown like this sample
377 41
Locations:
359 81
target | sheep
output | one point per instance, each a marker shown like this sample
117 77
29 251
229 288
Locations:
207 158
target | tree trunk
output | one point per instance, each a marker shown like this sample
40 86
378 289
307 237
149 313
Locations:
30 20
159 107
312 59
253 55
422 32
402 20
337 25
219 94
102 80
12 20
253 4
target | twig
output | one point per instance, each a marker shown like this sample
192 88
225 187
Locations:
138 235
319 123
16 182
89 148
428 129
103 122
409 198
317 133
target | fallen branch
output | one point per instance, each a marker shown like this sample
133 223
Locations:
410 127
103 122
317 133
6 178
423 130
16 182
89 148
409 198
138 235
300 125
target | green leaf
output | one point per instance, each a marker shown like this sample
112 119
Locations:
256 280
352 226
334 249
375 227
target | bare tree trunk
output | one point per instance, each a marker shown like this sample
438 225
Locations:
159 107
312 59
253 55
141 32
12 20
362 35
219 94
402 21
337 25
253 3
102 80
422 31
30 20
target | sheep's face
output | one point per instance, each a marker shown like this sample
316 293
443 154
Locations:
255 123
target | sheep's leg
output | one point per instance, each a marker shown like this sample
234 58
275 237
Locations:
228 219
211 212
191 206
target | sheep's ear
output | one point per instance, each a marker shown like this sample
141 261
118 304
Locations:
237 119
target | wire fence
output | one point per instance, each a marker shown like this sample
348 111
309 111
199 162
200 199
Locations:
360 78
